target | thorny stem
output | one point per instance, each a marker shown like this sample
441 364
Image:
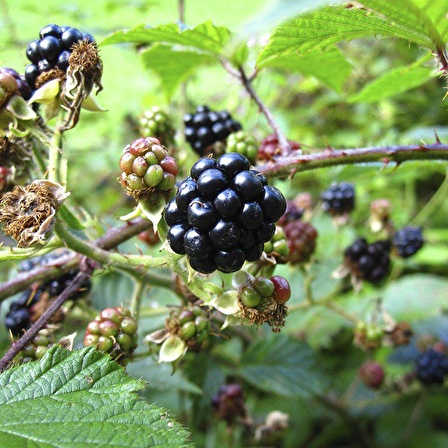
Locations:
73 287
111 239
289 165
246 81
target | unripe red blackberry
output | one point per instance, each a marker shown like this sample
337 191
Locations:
206 127
339 199
368 262
113 331
149 236
269 148
156 123
407 241
431 367
301 237
372 374
223 214
242 143
192 325
228 403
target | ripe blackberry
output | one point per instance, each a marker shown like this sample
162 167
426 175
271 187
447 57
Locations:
243 143
17 319
431 366
113 331
269 148
156 123
339 199
51 51
301 237
222 214
407 241
368 262
206 127
228 403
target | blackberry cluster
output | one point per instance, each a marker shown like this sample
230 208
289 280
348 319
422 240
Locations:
339 199
368 262
113 331
52 50
243 143
431 366
206 127
301 237
269 148
156 123
228 403
407 241
12 82
26 309
37 348
222 214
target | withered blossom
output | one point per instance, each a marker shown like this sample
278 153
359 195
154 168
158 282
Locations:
28 213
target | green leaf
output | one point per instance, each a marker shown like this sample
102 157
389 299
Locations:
393 82
173 66
311 64
424 17
206 36
282 365
80 398
322 28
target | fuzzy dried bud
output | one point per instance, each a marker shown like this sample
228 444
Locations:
27 213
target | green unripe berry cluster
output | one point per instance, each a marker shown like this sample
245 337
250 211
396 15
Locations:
145 165
253 293
243 143
156 123
113 331
192 325
277 246
37 348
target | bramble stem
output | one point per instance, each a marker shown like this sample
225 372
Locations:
289 165
137 295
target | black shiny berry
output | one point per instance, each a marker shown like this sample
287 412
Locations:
247 185
230 261
211 182
251 215
62 62
253 253
173 214
49 48
204 265
201 165
197 244
187 191
431 367
31 74
70 37
50 30
227 203
339 198
175 237
265 231
17 320
225 234
33 52
273 203
201 214
232 163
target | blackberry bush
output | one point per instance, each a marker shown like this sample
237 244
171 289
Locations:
407 241
206 127
51 51
222 214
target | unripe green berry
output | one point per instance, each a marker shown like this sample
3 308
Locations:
41 350
91 339
159 152
29 350
108 328
129 326
167 182
186 316
202 337
201 323
187 331
249 297
139 166
153 176
263 286
125 341
112 314
197 311
151 158
105 344
134 182
41 340
94 327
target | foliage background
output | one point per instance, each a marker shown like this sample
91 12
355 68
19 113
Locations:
275 367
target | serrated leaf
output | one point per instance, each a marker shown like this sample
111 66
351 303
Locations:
323 28
80 398
205 36
311 64
393 82
425 17
282 365
173 66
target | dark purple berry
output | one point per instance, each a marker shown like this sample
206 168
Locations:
211 182
173 214
431 367
31 74
251 215
273 203
175 237
88 37
62 62
247 185
232 163
227 203
187 191
49 48
407 241
254 252
201 214
339 198
204 265
229 261
201 165
69 37
196 244
50 30
33 52
44 65
225 234
265 231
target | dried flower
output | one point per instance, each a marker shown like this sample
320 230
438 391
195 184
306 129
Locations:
27 213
